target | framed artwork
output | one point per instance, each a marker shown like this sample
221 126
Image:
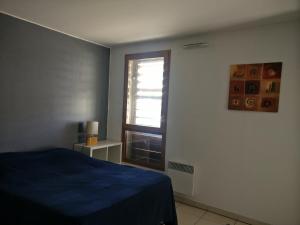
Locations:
255 87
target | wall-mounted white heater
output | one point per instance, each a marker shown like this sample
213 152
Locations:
182 176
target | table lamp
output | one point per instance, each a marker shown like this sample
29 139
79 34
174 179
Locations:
92 132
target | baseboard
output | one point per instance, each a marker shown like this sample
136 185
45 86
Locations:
189 201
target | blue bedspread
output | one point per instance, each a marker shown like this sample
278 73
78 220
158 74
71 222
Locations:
63 187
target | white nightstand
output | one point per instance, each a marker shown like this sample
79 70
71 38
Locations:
104 150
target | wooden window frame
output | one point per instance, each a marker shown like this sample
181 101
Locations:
166 54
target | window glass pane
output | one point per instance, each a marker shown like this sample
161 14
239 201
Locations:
146 93
144 97
143 148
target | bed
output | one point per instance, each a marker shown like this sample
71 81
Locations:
64 187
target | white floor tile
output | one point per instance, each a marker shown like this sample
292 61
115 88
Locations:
214 219
206 222
178 204
241 223
185 219
187 215
192 210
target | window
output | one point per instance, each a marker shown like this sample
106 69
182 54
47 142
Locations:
145 108
144 97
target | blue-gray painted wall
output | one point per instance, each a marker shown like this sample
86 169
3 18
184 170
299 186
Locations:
48 83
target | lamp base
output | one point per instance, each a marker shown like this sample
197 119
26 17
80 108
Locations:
92 140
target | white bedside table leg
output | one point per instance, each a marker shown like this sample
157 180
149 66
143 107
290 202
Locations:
121 148
107 153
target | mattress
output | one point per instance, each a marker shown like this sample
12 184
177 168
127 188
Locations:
62 187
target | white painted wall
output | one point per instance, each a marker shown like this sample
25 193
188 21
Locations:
249 162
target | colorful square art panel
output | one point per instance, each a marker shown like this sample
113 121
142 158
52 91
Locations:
255 87
272 70
269 104
237 87
237 72
252 87
253 71
236 102
251 103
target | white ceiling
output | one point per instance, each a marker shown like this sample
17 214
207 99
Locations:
110 22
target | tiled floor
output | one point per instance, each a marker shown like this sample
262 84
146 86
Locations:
188 215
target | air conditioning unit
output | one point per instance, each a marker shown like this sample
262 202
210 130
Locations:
182 176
